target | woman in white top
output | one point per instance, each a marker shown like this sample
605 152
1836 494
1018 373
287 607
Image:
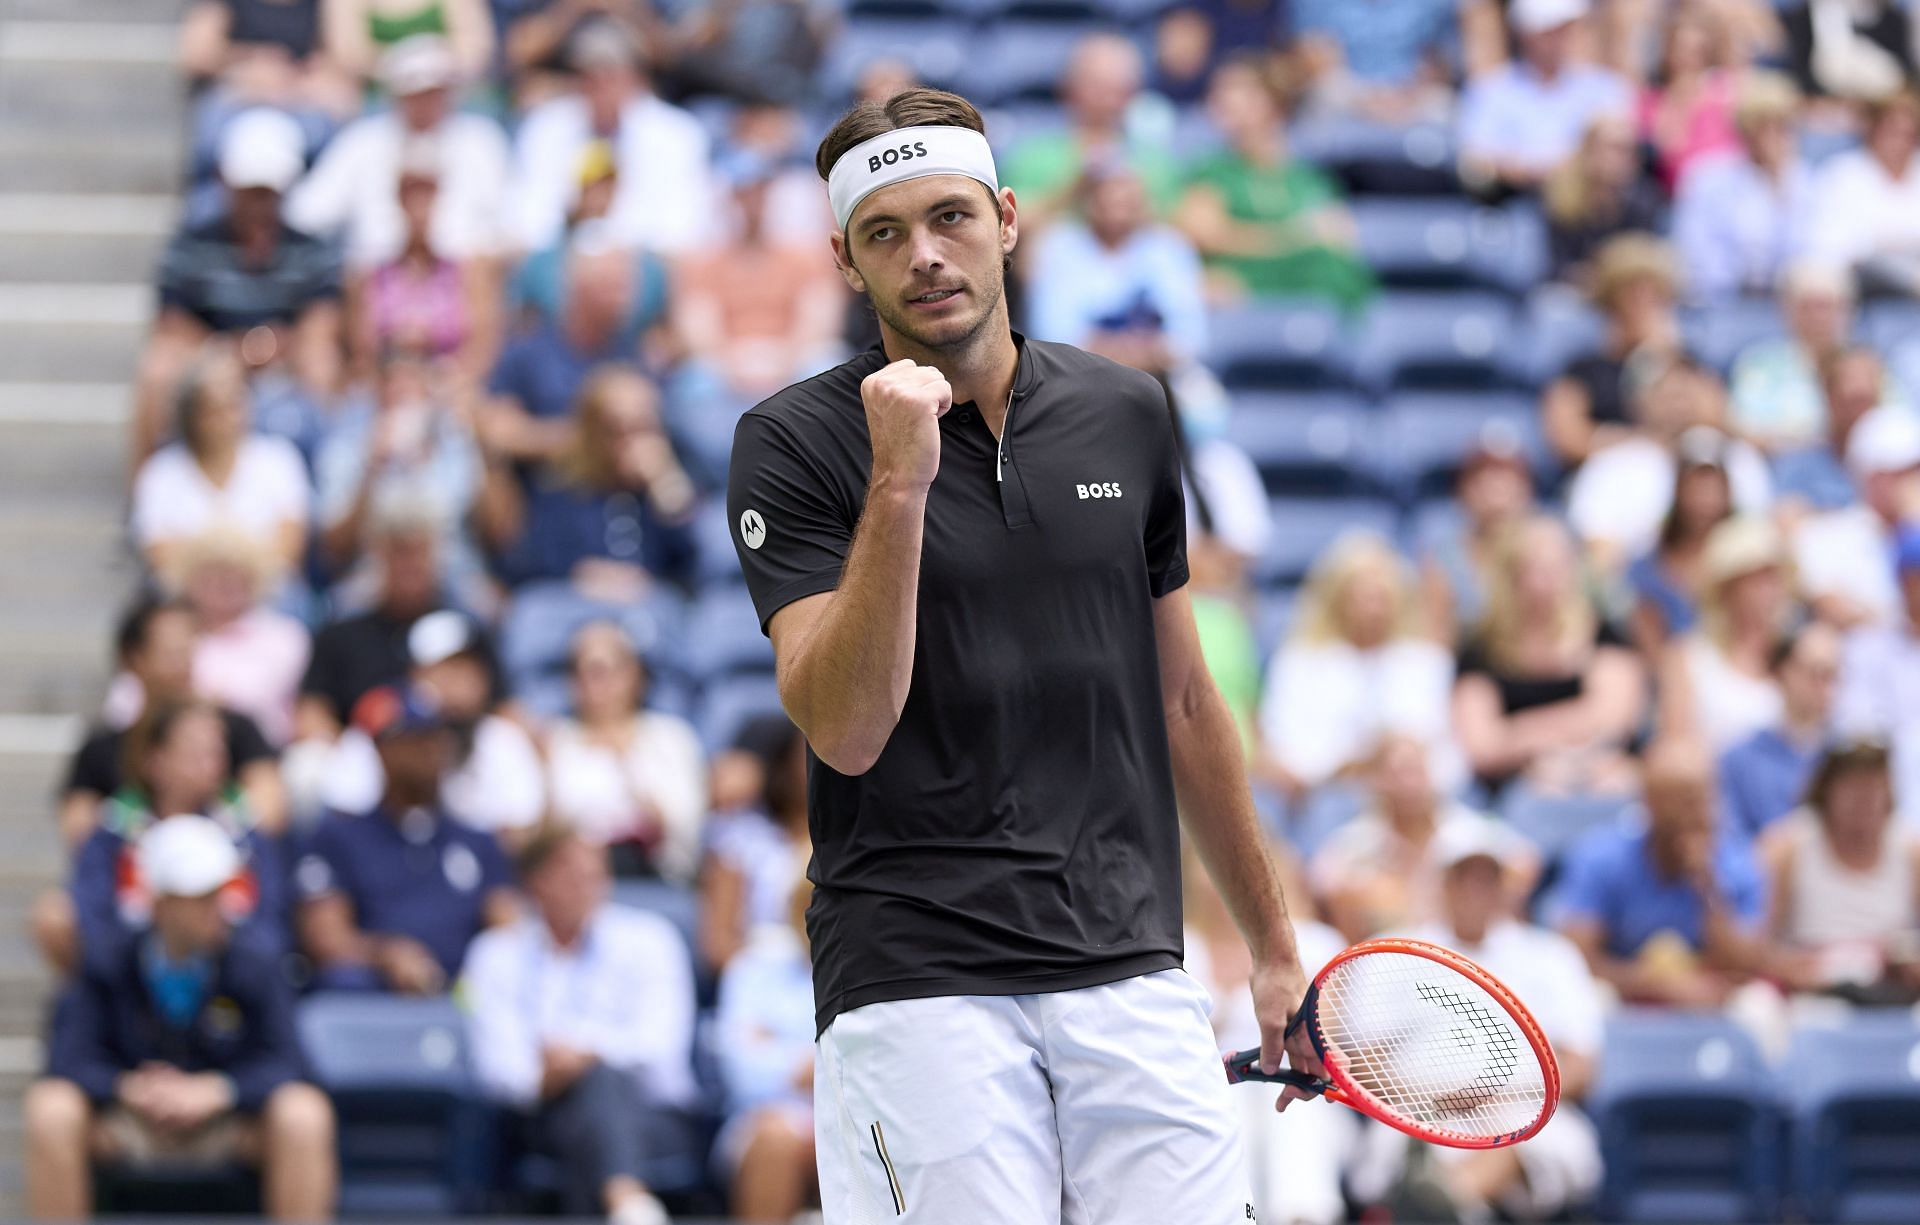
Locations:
221 474
1716 682
1845 879
632 779
1357 665
1866 204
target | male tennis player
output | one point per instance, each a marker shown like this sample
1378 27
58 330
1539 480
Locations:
969 549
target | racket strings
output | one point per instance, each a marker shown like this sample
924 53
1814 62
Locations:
1431 1045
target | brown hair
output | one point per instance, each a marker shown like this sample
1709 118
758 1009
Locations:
1846 757
548 839
910 108
1627 259
154 729
587 462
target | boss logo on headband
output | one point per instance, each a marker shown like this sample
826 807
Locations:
893 157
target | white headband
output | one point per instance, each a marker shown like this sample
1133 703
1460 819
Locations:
907 153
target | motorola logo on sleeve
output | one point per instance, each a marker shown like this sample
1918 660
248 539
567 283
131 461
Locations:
753 529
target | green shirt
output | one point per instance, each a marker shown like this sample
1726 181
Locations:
1233 658
1046 164
1280 197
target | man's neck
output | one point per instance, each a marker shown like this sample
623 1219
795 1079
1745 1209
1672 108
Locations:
568 936
1803 733
982 372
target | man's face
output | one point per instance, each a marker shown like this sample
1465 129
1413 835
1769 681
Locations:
460 684
254 208
1472 893
1819 317
190 925
930 254
1102 79
425 110
1547 50
1808 676
411 565
189 766
1679 801
164 662
570 886
415 761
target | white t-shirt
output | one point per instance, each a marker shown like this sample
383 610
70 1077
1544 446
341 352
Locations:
665 201
354 188
1879 696
174 500
1327 704
1236 497
1859 210
1621 494
1545 970
1848 552
1728 705
602 794
501 785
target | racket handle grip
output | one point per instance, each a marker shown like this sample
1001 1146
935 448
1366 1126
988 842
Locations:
1245 1066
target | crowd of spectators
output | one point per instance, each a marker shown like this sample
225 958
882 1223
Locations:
440 626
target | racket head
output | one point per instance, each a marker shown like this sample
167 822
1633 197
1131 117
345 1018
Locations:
1426 1041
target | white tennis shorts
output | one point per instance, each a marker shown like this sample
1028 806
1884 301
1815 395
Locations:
1101 1106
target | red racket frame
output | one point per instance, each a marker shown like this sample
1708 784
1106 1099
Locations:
1339 1087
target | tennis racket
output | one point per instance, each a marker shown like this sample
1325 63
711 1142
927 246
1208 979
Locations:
1424 1040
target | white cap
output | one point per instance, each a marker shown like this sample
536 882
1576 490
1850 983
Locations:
1885 439
438 637
418 63
1533 16
262 148
187 857
1463 836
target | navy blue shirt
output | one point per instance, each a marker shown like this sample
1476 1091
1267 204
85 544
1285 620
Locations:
424 876
567 524
107 1024
204 274
1763 778
543 371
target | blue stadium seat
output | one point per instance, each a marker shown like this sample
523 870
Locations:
1431 432
1689 1126
1855 1095
1273 613
1555 822
1304 527
1717 334
1310 444
723 635
1447 243
1560 326
671 901
537 631
713 539
935 47
1890 323
727 704
1322 811
1379 158
1291 346
1459 341
1020 60
414 1137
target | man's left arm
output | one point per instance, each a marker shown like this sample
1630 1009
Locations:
1216 805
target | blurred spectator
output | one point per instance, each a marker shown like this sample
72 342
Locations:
154 648
1358 665
582 1015
624 777
1266 224
389 900
1545 689
1379 870
535 35
1666 582
264 52
355 188
1520 120
1632 282
220 474
248 657
1866 201
750 50
1668 910
246 274
1389 61
1855 49
1880 682
1846 879
1115 282
1686 113
1186 50
359 33
1853 382
179 1048
1621 495
407 450
1764 777
1559 1167
796 211
756 846
541 286
1099 86
1742 215
1776 382
496 782
1841 555
1717 683
611 515
665 197
1492 491
765 1030
1596 194
174 760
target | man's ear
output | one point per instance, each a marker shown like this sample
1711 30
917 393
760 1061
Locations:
1009 222
838 243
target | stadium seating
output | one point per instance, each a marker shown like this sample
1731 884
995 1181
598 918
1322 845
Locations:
414 1137
1554 823
1019 59
1689 1126
1424 341
1430 433
1448 243
1718 334
1855 1096
1561 325
1304 527
727 704
1311 444
934 45
1378 158
1290 346
536 636
724 636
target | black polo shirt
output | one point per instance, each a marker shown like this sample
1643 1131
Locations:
1017 833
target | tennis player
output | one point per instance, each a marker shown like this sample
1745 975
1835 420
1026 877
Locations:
968 548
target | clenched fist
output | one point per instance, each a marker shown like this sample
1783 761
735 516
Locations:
904 402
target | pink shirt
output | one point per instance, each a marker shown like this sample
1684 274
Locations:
1709 127
254 665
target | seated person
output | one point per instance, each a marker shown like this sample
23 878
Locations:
1666 581
757 838
1492 491
1853 382
582 1015
1845 879
1377 871
1740 216
623 777
1545 689
1764 777
1775 383
765 1030
1717 682
1597 194
1879 694
1840 556
245 275
358 33
1862 213
1389 62
1667 908
248 656
179 1046
155 646
540 287
389 900
575 520
175 757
